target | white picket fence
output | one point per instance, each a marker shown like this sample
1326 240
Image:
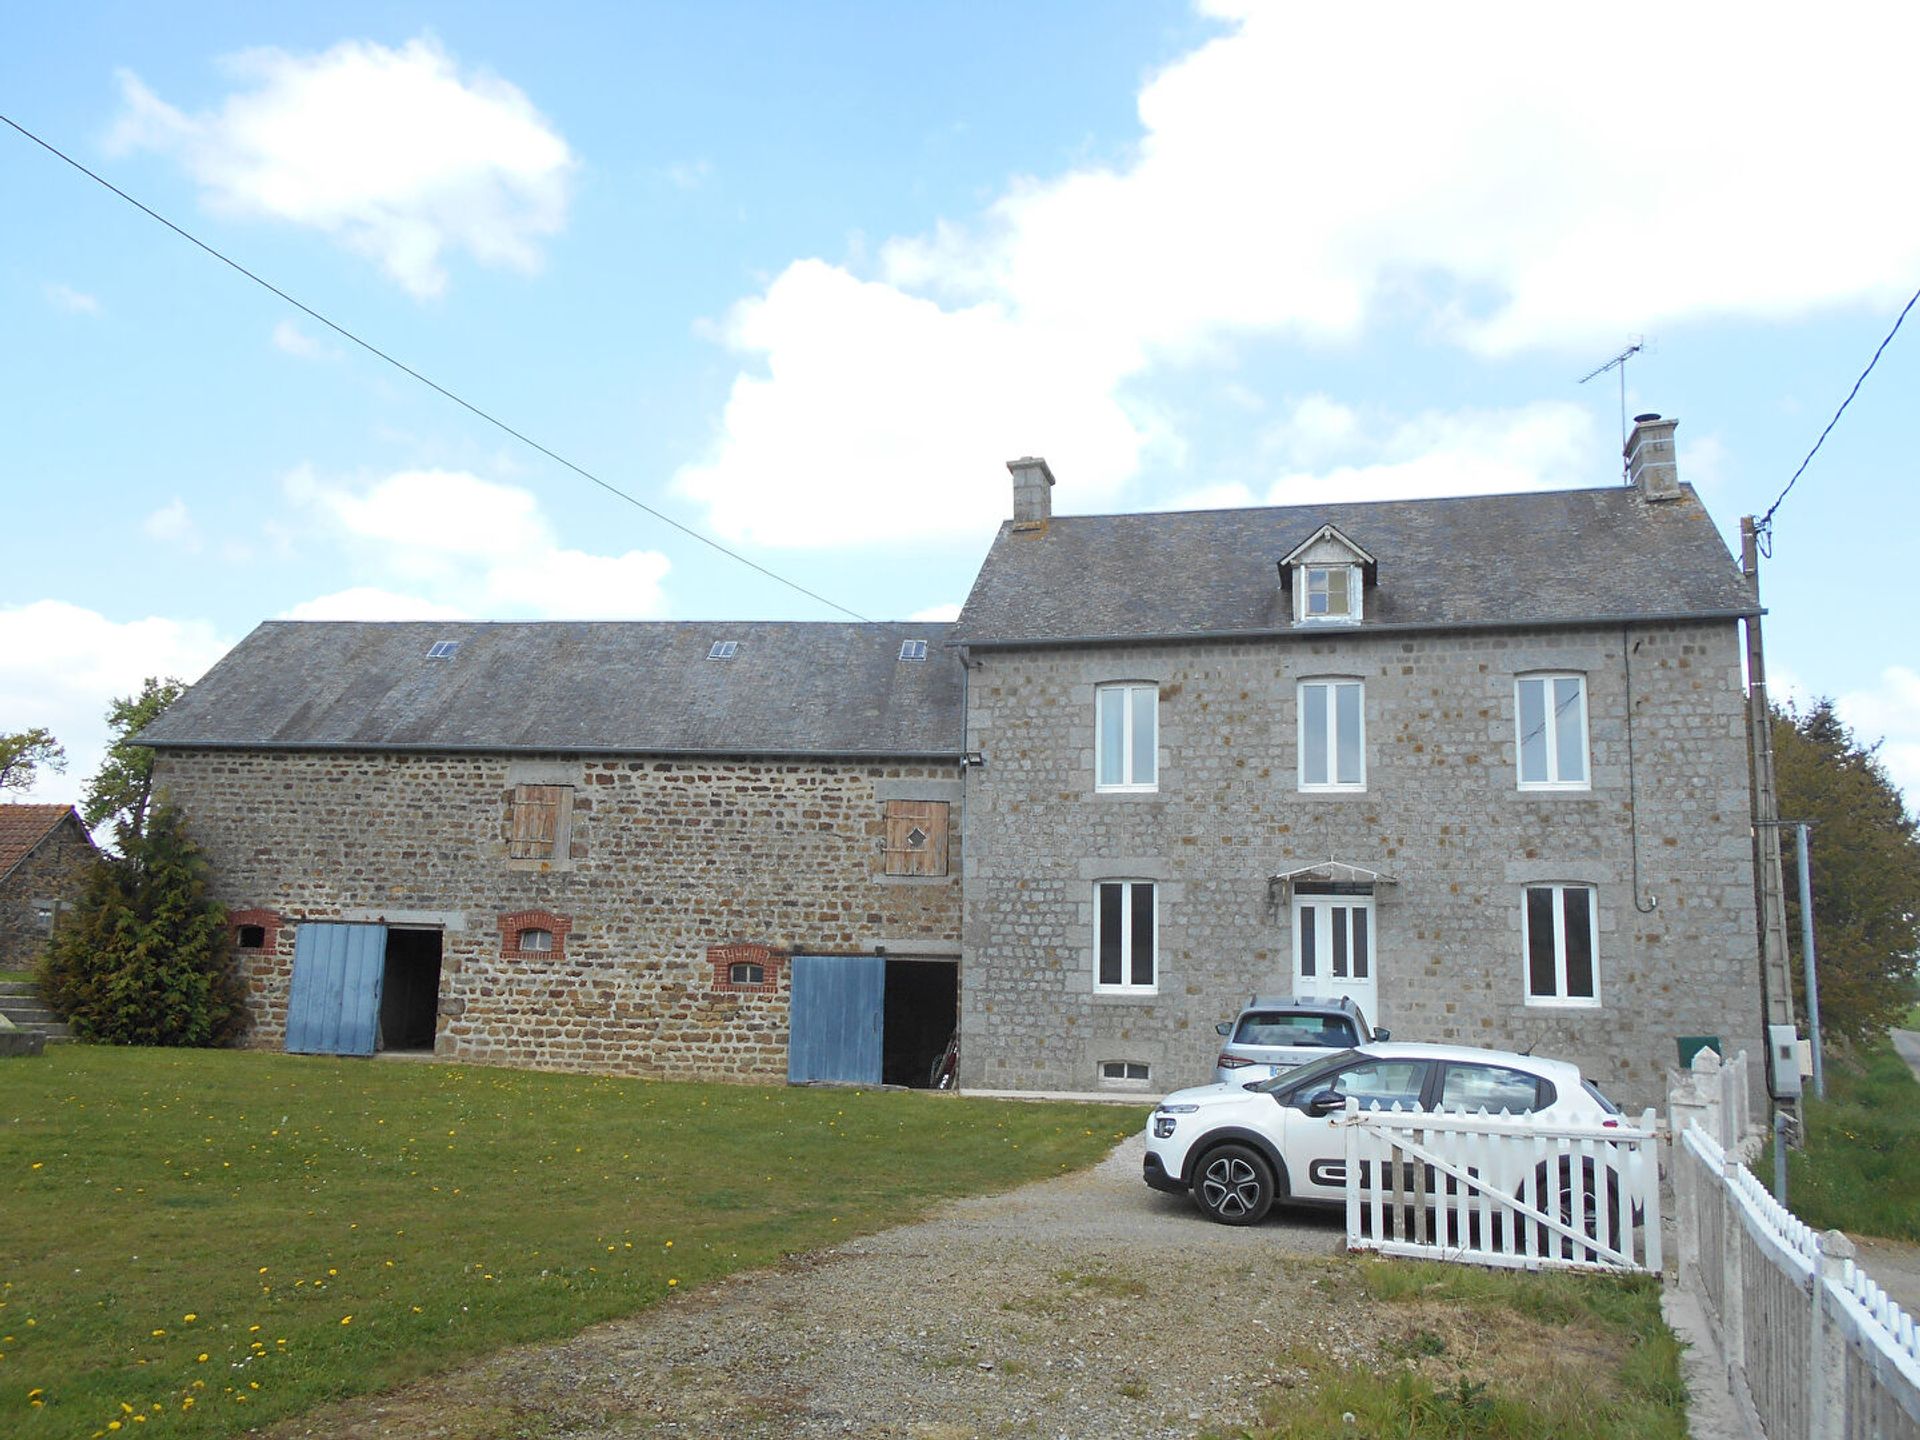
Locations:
1813 1346
1503 1190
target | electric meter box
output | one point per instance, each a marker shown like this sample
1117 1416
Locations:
1784 1066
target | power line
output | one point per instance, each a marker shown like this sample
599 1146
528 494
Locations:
1763 531
434 385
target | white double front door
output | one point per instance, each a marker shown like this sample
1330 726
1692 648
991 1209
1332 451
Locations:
1333 949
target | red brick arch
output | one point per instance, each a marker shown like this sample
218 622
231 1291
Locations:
512 924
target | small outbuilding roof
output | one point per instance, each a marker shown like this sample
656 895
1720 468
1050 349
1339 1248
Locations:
633 687
1468 562
23 827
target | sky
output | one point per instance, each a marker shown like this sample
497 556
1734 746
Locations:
804 278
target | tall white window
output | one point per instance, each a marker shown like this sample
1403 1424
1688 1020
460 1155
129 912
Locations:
1126 938
1561 931
1127 737
1332 735
1551 716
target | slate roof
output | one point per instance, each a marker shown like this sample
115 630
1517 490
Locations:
1539 558
23 827
594 687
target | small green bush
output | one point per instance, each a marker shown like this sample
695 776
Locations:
145 957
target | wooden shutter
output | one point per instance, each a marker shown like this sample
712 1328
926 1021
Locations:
536 820
916 837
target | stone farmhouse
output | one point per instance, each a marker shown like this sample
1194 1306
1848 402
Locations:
1480 763
45 855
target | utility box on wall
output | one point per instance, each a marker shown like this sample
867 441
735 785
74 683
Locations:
1783 1047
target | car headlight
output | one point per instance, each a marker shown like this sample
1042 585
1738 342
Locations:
1163 1121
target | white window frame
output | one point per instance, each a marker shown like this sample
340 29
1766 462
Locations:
542 945
1560 999
1553 779
1327 688
1303 591
1121 692
1126 986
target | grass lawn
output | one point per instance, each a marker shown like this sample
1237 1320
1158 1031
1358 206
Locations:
194 1242
1860 1167
1494 1355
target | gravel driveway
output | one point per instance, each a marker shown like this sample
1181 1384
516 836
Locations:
1084 1306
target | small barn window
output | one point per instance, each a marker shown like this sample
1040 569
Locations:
1123 1071
745 972
533 939
251 937
540 816
916 839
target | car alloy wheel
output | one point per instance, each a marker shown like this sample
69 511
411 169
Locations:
1234 1185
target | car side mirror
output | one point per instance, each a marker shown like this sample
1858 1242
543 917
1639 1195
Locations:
1326 1102
1383 1035
1225 1027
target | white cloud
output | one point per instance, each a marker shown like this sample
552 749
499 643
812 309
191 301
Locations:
172 524
460 545
290 338
62 665
1540 177
74 302
948 611
1890 713
394 153
369 602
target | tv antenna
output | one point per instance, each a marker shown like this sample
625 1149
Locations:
1619 362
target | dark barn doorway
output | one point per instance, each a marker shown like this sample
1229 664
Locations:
410 990
922 1007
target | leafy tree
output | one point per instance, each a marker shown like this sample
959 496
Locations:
1865 861
122 789
22 755
145 957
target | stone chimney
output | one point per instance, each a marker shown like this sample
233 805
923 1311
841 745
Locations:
1650 465
1032 493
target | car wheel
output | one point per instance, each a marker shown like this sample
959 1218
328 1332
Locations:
1234 1185
1581 1211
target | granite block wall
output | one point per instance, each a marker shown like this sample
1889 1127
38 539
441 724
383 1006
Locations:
663 861
54 871
1442 813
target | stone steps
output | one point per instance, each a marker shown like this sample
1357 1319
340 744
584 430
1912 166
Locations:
20 1002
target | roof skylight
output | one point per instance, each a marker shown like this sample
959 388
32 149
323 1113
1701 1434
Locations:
442 649
913 649
723 649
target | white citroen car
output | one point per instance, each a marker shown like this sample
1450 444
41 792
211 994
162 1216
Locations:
1239 1150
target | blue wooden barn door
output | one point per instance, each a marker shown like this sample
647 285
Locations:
333 1007
834 1031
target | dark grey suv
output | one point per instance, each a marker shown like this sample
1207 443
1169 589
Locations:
1277 1032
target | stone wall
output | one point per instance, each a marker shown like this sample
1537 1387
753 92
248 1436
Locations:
662 860
1442 813
55 870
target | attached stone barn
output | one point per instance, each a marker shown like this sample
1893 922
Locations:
45 856
693 850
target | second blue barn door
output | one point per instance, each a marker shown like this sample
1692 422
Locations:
839 1002
333 1006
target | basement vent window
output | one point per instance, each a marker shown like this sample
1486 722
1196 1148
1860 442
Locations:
534 939
442 649
1124 1071
723 649
913 649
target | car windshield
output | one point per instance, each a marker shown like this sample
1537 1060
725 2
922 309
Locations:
1605 1104
1305 1075
1284 1027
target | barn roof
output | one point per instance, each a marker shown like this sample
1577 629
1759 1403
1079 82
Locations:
23 827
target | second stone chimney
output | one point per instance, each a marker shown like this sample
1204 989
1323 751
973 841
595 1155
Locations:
1032 493
1650 464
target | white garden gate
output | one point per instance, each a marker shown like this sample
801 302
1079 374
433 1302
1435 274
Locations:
1503 1189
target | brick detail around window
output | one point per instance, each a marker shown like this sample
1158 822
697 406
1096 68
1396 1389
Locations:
512 924
725 957
269 922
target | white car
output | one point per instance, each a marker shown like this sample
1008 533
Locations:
1238 1150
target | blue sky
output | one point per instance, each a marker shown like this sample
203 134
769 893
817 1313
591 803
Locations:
805 277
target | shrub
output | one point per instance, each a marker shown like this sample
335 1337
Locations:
145 957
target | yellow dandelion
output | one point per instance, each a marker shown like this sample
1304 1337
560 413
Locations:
189 1317
35 1393
671 1284
156 1334
346 1319
201 1357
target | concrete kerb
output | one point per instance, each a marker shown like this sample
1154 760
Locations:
1713 1411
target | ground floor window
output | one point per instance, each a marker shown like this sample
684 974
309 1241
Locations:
1561 930
1125 935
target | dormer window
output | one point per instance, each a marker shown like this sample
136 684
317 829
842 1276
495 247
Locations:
1330 592
1328 575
